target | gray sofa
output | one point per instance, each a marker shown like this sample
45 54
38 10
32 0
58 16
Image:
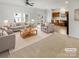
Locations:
48 28
7 42
18 26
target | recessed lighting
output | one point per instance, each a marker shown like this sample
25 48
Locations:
66 2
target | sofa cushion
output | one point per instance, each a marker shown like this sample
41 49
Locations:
13 25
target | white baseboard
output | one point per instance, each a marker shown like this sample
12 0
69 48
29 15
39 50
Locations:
76 36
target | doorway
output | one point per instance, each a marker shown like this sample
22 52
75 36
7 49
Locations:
61 22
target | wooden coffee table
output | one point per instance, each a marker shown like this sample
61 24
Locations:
28 32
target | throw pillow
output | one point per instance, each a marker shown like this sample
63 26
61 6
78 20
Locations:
9 31
5 33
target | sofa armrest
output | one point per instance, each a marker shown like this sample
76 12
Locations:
7 42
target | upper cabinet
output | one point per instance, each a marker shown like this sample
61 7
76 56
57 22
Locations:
55 14
59 15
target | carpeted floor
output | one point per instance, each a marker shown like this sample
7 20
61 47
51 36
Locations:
52 46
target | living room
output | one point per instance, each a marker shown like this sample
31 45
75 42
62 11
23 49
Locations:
23 22
27 25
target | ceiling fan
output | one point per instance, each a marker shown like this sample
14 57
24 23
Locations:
28 3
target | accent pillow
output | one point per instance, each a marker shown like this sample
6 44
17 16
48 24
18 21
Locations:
5 33
9 31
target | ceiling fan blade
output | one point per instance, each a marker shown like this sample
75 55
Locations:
28 3
27 0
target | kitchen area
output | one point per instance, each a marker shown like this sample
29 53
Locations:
60 20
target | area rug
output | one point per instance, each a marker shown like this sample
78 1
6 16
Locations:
21 43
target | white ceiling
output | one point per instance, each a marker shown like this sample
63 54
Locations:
49 4
43 4
15 2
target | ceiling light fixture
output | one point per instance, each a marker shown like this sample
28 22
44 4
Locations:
66 2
